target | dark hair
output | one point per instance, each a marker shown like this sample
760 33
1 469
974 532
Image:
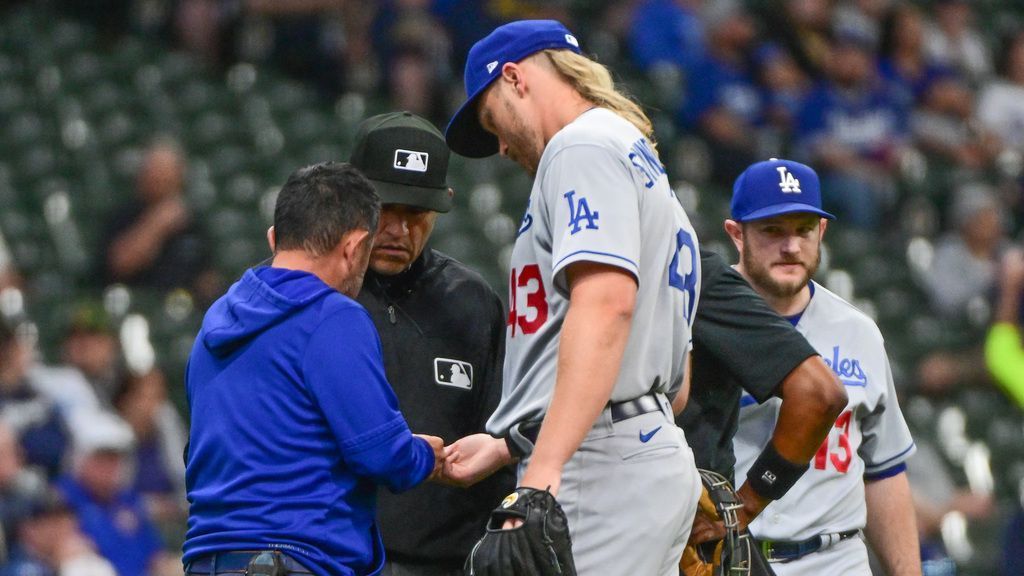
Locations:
1007 41
321 203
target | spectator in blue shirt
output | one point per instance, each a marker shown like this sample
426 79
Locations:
855 129
723 103
109 512
49 543
293 422
34 418
666 33
903 62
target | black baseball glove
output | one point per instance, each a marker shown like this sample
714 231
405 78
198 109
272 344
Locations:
737 554
539 547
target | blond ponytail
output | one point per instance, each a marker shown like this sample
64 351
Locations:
594 83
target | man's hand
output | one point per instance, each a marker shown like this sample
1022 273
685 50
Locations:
437 445
472 458
707 527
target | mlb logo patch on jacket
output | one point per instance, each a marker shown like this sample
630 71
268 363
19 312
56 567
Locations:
448 372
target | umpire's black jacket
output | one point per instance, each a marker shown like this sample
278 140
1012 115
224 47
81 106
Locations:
442 329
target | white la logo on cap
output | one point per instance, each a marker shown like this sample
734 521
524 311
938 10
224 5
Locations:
787 182
572 40
411 160
492 66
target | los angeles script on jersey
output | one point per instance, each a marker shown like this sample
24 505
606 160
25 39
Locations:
848 369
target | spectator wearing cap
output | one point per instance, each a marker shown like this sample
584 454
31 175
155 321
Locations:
90 345
109 511
966 258
854 128
38 423
90 351
442 329
49 543
723 103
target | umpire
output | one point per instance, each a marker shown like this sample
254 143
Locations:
442 329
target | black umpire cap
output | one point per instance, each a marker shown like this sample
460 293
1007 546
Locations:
406 159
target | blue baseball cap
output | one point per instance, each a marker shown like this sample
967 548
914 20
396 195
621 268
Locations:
508 43
775 187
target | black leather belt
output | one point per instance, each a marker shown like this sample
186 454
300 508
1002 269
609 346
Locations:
620 411
237 562
779 551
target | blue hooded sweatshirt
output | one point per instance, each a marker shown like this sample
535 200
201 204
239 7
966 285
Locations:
293 426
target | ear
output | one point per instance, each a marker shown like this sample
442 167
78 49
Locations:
272 239
512 73
351 245
821 229
735 231
451 193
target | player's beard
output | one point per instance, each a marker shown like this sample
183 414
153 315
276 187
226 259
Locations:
521 142
760 273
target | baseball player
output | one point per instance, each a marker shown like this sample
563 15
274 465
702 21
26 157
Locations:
856 479
603 288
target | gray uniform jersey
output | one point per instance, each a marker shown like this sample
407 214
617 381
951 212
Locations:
870 436
600 195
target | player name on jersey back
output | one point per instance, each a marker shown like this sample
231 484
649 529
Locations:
600 195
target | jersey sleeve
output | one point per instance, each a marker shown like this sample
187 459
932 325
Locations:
887 441
593 209
737 328
344 371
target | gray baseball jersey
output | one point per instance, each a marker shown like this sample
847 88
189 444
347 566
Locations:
870 436
600 195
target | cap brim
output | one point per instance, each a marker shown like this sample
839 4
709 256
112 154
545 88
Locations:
436 199
465 136
780 209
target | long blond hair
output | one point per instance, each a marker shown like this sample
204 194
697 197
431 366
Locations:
594 83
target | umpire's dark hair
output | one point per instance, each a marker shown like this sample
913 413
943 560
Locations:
321 203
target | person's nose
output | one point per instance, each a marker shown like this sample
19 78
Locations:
791 245
396 227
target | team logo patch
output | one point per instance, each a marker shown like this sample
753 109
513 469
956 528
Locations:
787 182
448 372
510 500
411 160
492 66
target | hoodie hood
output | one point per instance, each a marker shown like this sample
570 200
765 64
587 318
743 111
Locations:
262 298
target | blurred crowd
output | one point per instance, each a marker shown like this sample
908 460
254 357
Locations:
912 112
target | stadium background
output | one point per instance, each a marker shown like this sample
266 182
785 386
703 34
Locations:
250 90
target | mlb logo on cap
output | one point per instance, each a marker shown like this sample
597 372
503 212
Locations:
411 160
775 187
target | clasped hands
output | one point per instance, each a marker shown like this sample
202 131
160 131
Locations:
468 460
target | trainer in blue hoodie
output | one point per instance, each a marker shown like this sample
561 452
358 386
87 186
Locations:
293 422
